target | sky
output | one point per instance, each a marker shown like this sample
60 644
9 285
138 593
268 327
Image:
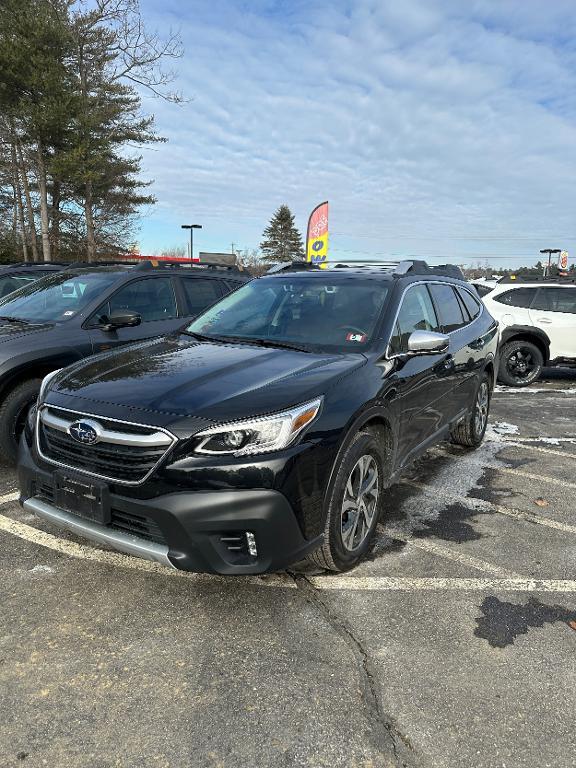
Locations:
443 129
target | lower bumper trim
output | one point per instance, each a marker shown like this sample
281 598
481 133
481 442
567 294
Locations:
130 545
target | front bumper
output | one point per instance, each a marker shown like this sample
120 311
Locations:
203 531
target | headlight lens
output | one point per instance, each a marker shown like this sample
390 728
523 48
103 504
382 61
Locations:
267 433
45 386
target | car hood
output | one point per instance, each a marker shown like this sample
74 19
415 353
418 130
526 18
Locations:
216 381
10 331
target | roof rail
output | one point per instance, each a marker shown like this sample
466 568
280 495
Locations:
407 266
292 266
153 264
403 267
524 278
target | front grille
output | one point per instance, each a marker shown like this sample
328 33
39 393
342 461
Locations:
138 525
107 458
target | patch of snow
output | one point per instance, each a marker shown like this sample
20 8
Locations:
498 428
42 569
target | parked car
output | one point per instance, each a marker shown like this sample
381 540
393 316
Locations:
537 317
269 428
75 313
14 276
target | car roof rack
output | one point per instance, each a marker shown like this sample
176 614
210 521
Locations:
524 278
398 268
203 265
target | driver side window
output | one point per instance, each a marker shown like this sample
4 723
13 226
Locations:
152 299
416 314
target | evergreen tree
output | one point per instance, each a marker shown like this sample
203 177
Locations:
281 239
71 77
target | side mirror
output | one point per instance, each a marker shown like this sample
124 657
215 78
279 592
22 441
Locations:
427 343
121 318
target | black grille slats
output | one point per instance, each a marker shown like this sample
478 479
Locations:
124 463
138 525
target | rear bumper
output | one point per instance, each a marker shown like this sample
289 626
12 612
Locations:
203 531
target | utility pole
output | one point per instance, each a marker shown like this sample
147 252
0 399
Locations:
549 251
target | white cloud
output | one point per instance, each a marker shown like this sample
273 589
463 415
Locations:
428 125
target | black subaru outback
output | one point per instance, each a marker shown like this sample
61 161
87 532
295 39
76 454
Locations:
268 429
71 314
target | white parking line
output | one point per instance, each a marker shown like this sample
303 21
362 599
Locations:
390 584
283 581
480 505
509 470
73 549
528 445
449 554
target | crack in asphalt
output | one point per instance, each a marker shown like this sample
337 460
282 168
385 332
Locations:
384 731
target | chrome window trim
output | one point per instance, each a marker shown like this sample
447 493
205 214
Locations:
430 282
115 481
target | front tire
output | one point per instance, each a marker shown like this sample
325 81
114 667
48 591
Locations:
471 430
13 413
354 506
520 363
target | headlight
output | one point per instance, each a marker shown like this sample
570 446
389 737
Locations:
267 433
45 386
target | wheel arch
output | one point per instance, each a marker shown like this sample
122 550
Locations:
33 369
373 420
528 333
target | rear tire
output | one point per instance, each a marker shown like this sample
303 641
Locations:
354 506
471 430
13 414
520 363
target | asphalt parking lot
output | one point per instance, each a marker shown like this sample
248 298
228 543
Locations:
452 646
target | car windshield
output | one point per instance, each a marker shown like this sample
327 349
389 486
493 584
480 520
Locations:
329 313
55 298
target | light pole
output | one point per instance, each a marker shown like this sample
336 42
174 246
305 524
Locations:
191 227
549 251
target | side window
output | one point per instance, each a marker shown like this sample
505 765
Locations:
449 311
416 314
201 293
153 299
519 297
471 304
556 300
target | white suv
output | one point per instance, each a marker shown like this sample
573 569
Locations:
537 325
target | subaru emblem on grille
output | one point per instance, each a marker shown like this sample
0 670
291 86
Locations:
85 431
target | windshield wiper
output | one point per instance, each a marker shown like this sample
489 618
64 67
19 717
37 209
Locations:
247 340
279 344
10 319
204 337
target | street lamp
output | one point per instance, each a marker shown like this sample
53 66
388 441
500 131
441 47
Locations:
191 227
549 251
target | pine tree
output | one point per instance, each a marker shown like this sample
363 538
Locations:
281 239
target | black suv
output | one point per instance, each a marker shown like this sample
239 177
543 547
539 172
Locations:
74 313
268 429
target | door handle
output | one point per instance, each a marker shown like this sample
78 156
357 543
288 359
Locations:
544 320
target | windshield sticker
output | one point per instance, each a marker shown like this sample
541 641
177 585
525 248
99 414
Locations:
68 313
360 337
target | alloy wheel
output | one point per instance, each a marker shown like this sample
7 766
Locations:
360 502
521 365
481 410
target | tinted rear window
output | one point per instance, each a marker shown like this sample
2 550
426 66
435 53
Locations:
519 297
471 304
448 308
